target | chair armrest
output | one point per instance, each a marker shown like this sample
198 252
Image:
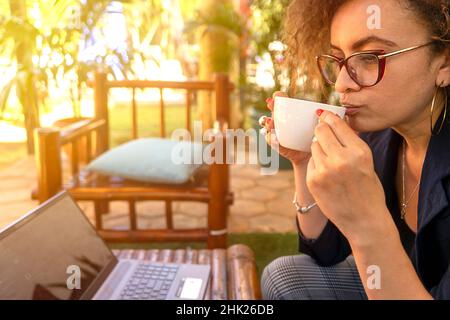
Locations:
81 128
49 142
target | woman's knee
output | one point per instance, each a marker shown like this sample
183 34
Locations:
278 276
270 279
301 278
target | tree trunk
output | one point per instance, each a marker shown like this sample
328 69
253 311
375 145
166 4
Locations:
28 97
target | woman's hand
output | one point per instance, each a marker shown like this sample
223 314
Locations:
296 157
342 179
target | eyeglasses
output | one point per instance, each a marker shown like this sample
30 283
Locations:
366 68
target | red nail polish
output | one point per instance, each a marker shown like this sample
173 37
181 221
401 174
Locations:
319 112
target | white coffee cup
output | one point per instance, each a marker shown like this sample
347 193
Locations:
296 119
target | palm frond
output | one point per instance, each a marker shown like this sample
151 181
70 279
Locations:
4 96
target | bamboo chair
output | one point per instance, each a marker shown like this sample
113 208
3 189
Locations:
90 137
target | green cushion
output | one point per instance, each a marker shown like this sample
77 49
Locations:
151 160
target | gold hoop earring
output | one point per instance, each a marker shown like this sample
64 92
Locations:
432 110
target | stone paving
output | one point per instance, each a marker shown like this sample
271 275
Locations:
262 203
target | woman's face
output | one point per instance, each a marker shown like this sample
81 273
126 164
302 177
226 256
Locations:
403 96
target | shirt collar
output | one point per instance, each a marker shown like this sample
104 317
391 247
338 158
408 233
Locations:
432 194
436 167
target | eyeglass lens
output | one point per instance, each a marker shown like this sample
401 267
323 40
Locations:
362 68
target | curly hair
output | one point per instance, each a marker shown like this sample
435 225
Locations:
306 33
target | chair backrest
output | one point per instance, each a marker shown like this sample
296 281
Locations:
89 138
220 86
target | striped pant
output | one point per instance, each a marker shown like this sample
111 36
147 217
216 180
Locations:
299 277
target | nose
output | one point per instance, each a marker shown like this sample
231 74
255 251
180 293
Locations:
345 83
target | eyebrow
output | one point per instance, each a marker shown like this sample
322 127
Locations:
364 41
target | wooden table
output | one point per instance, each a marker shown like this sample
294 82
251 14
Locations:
233 270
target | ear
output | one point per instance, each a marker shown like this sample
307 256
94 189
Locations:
443 75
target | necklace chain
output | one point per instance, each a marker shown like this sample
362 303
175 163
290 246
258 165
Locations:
405 204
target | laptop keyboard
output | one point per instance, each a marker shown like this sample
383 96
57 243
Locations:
149 282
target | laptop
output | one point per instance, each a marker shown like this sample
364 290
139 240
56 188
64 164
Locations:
54 252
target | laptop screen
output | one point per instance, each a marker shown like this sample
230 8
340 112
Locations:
53 253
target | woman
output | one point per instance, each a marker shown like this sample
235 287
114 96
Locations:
381 226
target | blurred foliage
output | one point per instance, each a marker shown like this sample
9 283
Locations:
55 31
52 35
266 23
221 14
216 26
265 28
188 8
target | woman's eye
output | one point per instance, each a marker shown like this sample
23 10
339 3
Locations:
368 59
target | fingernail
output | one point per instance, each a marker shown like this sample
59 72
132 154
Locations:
319 112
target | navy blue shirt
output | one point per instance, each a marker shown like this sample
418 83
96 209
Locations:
429 249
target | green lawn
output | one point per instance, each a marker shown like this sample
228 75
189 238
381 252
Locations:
266 246
120 118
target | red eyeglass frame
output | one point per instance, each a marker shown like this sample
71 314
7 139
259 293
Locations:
379 54
343 62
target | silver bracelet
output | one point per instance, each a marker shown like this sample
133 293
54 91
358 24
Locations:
301 209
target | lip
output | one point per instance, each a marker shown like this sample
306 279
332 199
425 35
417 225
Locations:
351 109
